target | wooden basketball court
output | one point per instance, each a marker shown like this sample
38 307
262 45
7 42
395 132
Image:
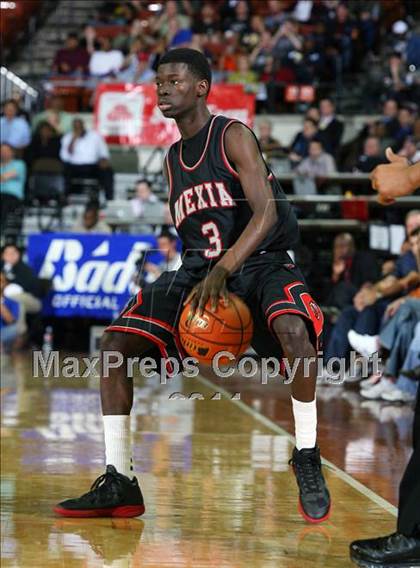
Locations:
218 488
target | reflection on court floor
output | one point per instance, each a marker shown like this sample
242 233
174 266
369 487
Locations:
217 484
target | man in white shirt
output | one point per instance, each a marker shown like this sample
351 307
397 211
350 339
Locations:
105 61
86 155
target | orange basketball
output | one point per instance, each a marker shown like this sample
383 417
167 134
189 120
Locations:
229 328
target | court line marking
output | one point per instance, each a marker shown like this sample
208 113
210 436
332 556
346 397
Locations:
380 501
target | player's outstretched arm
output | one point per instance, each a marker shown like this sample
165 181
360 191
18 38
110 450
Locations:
395 179
243 151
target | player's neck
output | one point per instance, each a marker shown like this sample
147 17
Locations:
192 123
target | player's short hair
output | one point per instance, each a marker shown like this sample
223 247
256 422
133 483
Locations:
195 60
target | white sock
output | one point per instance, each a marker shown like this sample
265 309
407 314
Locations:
304 414
117 435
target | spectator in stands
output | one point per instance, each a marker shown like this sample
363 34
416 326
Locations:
45 144
9 316
167 243
18 96
276 15
170 12
313 112
395 77
410 150
340 34
136 67
14 130
311 66
406 119
262 52
207 23
390 117
27 288
12 182
240 24
72 59
351 269
371 157
91 222
285 40
105 61
299 148
330 128
370 302
318 164
124 41
271 147
58 118
144 195
244 75
86 155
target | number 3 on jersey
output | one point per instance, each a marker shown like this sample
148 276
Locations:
211 231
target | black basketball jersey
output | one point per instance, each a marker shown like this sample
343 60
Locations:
208 204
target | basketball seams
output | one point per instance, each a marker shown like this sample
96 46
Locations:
234 344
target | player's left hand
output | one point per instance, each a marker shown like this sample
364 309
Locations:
213 286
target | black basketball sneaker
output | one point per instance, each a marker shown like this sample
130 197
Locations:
111 495
314 497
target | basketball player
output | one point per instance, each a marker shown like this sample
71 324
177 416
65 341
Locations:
236 226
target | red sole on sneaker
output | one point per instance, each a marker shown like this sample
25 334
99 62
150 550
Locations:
311 519
124 511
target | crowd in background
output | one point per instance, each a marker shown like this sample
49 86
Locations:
53 142
263 45
376 309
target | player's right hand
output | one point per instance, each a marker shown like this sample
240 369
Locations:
213 287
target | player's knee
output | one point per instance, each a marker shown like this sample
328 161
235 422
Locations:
292 333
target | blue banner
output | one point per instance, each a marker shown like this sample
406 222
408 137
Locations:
92 275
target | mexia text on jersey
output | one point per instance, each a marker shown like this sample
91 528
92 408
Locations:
207 195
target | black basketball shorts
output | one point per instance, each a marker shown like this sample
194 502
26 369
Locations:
268 287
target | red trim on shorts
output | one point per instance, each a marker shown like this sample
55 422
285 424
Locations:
306 298
191 168
157 322
153 338
289 297
139 300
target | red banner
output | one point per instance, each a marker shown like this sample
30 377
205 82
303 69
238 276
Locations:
127 114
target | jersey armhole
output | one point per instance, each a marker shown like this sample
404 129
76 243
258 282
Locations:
226 161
